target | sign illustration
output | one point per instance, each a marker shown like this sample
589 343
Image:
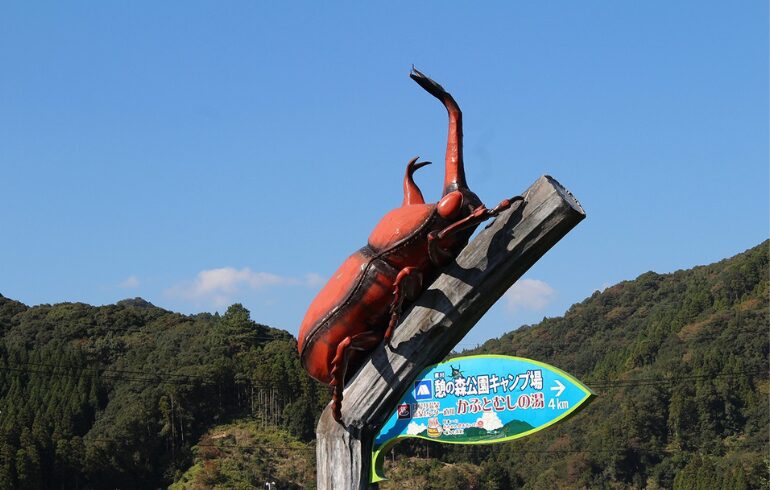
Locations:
480 400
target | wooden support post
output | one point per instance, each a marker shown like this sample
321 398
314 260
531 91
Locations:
436 322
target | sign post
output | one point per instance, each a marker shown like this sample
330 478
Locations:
435 322
480 400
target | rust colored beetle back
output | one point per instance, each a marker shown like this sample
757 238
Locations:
354 300
361 303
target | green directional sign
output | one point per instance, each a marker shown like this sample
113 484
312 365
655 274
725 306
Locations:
480 400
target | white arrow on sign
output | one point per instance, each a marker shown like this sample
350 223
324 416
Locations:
559 388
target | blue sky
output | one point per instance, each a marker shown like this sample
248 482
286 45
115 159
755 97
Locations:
202 153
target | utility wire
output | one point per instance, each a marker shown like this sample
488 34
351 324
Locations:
620 449
153 378
151 328
689 338
112 370
606 383
156 380
148 378
234 446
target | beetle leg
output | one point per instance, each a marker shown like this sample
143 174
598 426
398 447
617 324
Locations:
436 254
478 215
406 286
362 341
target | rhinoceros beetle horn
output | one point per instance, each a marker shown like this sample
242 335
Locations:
412 193
454 173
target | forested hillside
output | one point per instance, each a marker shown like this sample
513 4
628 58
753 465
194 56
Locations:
99 397
680 366
133 396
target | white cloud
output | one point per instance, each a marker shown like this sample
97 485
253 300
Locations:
414 428
219 286
131 282
229 279
528 294
489 421
314 280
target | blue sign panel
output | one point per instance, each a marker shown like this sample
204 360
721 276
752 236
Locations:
423 390
480 400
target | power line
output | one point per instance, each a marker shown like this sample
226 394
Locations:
147 329
112 373
52 373
228 446
611 450
695 337
605 383
110 370
148 378
616 450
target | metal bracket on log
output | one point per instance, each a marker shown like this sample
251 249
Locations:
436 322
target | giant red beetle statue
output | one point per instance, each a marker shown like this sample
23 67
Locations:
360 305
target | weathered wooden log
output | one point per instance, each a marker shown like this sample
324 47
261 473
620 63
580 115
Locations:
436 322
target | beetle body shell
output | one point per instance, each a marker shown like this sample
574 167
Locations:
362 301
359 294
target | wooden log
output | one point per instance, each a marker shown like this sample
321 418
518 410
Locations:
436 322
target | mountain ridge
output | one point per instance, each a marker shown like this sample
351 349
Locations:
93 395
